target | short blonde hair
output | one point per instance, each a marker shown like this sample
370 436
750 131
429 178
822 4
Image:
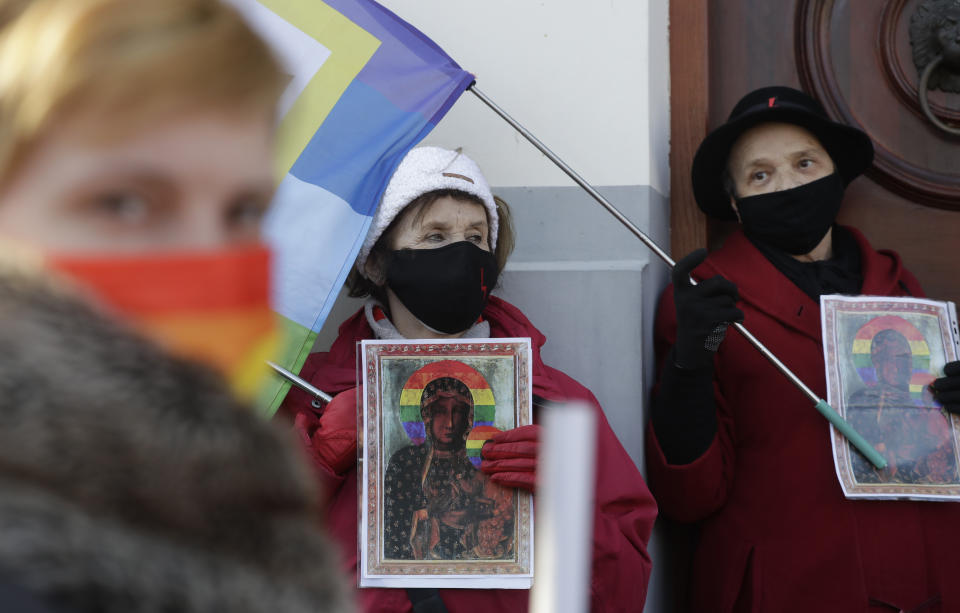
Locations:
128 62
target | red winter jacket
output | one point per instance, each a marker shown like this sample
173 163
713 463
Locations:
624 510
777 533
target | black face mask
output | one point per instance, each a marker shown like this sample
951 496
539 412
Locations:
793 220
445 288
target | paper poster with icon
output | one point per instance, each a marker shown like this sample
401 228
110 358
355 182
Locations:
429 516
881 355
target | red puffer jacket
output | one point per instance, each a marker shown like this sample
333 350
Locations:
777 533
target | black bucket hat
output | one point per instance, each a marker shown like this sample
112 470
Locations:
850 148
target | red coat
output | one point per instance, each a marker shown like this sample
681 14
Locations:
624 509
777 533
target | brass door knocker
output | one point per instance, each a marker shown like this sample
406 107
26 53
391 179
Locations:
935 38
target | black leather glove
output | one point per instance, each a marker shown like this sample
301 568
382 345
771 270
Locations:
703 313
946 389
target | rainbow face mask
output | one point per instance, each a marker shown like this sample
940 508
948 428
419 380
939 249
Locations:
211 307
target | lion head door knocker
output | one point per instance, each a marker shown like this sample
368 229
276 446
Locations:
935 38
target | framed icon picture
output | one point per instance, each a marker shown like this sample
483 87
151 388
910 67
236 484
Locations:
881 355
429 516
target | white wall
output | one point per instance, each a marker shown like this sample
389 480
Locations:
585 77
590 79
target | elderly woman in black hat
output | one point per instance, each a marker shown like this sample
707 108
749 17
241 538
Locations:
731 443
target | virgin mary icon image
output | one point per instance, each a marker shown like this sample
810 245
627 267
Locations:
895 410
880 354
437 504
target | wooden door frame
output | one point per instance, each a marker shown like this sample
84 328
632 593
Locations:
689 118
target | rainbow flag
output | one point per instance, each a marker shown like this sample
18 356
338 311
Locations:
365 88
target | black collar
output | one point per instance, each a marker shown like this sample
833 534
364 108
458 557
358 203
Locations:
841 274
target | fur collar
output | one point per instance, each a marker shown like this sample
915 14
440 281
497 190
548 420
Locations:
132 481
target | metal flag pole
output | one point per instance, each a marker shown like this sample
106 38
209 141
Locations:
820 404
303 384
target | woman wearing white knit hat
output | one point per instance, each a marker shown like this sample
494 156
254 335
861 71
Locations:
433 253
438 225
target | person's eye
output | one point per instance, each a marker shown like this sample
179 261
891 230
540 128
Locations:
759 176
126 208
247 213
475 238
806 163
434 237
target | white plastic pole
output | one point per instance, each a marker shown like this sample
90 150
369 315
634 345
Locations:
564 510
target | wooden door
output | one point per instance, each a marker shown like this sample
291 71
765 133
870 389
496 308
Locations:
856 58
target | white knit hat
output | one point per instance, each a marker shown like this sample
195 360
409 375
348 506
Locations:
427 169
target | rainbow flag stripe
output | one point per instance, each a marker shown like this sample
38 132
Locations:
475 440
365 88
484 406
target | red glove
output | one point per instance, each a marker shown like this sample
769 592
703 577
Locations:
510 457
331 439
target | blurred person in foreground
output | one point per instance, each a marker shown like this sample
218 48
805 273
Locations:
136 141
436 246
732 444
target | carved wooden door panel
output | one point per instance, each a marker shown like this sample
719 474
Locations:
858 59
